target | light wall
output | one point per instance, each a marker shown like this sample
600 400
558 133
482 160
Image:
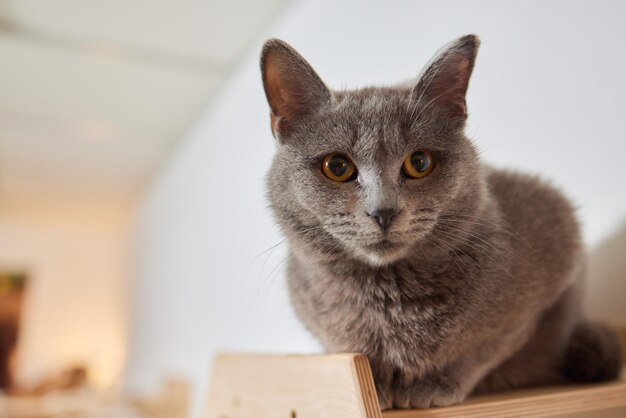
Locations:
546 97
75 311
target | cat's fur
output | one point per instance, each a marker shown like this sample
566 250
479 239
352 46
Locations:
476 284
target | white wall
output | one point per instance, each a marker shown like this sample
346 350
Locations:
547 96
75 306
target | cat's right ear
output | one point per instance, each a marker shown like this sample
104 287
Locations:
292 87
444 83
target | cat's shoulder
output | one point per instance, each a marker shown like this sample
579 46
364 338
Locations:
533 204
515 187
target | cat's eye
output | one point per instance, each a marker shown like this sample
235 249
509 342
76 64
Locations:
418 165
338 167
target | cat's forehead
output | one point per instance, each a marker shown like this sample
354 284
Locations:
385 102
372 120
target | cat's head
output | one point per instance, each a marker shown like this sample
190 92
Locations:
368 172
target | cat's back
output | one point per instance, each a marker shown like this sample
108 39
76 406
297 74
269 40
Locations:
541 219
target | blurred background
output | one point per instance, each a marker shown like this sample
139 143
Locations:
135 239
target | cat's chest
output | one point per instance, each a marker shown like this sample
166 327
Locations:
391 308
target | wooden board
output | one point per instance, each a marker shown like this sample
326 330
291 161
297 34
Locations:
341 386
600 400
263 386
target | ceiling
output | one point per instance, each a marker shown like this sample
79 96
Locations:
93 94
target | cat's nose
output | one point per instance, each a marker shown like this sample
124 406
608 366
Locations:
384 216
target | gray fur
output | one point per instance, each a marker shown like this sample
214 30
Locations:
474 286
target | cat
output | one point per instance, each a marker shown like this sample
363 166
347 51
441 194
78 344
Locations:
452 277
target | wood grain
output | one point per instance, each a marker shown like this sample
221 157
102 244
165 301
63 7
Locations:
264 386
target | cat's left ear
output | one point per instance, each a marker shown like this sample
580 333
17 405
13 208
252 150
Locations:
445 81
292 87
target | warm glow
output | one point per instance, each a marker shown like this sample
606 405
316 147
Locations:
74 312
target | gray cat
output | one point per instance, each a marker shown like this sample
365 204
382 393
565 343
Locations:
450 276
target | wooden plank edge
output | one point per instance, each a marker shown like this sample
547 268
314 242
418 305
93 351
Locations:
524 403
367 386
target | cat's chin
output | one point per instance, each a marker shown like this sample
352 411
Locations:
381 255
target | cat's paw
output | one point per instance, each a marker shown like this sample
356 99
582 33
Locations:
385 398
431 393
447 397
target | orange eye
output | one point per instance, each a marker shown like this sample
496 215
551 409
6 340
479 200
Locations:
338 167
418 165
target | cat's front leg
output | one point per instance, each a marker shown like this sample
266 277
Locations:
399 389
453 383
383 377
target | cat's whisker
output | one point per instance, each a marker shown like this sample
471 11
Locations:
269 276
421 226
341 215
494 243
501 223
448 252
480 248
421 210
338 225
266 259
327 245
308 229
455 249
457 223
421 220
252 260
